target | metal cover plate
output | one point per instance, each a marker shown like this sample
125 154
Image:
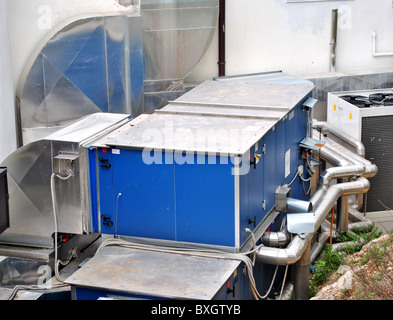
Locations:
275 95
215 117
87 126
155 274
191 133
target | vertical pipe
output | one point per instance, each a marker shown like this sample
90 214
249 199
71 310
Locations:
302 275
342 212
342 215
333 41
221 40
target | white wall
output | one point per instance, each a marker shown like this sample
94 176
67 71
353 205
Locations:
261 35
294 37
7 107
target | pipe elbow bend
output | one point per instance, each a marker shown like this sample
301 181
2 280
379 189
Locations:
371 171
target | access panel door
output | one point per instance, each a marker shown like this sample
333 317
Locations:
136 199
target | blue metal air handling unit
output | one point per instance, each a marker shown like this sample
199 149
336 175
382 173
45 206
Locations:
201 173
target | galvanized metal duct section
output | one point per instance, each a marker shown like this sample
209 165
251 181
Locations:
123 62
32 222
351 166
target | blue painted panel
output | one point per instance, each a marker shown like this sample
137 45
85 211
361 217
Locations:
105 189
94 294
146 207
270 172
256 188
270 169
280 148
196 202
205 202
301 130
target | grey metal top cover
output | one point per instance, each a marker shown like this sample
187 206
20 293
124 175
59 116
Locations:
155 274
215 117
87 126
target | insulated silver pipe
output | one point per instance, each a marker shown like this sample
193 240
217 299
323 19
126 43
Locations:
342 215
333 150
319 245
364 225
342 157
295 250
350 165
341 172
298 206
302 272
324 128
276 239
284 256
324 206
355 215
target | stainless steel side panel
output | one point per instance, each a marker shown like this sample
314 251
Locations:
30 169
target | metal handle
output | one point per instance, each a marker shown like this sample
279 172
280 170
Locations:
107 221
253 221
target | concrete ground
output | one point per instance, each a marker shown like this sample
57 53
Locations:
382 219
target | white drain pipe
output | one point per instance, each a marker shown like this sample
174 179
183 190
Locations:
379 54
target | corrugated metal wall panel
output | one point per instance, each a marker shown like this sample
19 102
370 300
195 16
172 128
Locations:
377 137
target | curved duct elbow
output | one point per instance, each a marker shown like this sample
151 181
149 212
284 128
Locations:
341 172
370 171
284 256
362 185
329 198
324 128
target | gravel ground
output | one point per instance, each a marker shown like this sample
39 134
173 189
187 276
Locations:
366 275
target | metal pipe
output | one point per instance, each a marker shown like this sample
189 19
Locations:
298 251
333 41
221 40
276 239
355 215
296 248
334 192
324 127
343 153
302 272
325 197
318 246
337 155
342 215
364 225
288 292
379 54
284 256
298 206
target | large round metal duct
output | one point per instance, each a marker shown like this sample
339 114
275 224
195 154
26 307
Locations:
125 63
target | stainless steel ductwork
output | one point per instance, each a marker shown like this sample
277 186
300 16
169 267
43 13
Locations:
353 169
30 169
127 62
